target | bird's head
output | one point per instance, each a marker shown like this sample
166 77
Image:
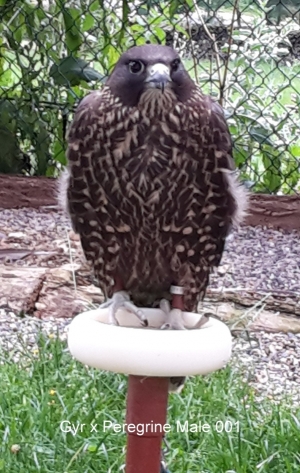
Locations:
149 67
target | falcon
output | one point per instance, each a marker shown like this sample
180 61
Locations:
151 187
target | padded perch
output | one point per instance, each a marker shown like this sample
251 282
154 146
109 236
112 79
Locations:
146 351
150 356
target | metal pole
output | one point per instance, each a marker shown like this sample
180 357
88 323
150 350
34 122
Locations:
147 401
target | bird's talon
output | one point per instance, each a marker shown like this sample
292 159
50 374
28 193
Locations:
165 326
165 306
203 320
138 312
112 318
121 300
173 317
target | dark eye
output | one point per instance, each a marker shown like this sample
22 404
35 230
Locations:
175 65
136 67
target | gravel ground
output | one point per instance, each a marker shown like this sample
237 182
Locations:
270 363
262 259
256 258
259 259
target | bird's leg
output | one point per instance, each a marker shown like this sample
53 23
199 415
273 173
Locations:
121 299
174 320
118 286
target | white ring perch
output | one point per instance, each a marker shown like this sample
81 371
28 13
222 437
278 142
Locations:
130 349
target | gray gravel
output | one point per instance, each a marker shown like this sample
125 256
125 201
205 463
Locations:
261 258
270 363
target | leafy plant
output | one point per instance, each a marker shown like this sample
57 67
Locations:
51 56
258 84
38 54
281 9
262 112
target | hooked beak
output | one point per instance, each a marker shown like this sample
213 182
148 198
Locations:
158 76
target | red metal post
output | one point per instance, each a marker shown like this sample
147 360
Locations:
147 401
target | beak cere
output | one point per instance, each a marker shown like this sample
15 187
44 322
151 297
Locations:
158 76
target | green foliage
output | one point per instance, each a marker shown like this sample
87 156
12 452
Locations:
71 71
261 104
277 10
39 54
281 9
50 57
263 115
9 149
72 24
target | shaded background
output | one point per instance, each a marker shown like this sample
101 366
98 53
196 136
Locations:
245 53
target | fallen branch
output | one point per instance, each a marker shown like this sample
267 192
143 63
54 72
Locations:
282 301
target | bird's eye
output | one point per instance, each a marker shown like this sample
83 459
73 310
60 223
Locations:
136 67
175 65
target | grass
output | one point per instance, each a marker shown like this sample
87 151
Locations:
51 387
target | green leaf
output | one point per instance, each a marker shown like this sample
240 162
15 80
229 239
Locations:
51 171
174 4
72 19
10 162
241 155
260 135
112 55
94 6
159 34
70 71
92 448
30 13
88 22
142 11
295 150
272 176
14 45
42 145
59 152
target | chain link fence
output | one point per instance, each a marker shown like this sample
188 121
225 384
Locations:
245 53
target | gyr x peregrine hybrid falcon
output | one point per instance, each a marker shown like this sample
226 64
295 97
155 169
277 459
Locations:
150 186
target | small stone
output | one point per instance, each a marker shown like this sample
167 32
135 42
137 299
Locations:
15 448
16 235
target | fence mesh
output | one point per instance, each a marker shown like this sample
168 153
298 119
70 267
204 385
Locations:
246 54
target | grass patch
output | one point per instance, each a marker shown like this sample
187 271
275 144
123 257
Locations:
51 387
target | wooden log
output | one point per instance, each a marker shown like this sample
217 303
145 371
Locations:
277 211
282 301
